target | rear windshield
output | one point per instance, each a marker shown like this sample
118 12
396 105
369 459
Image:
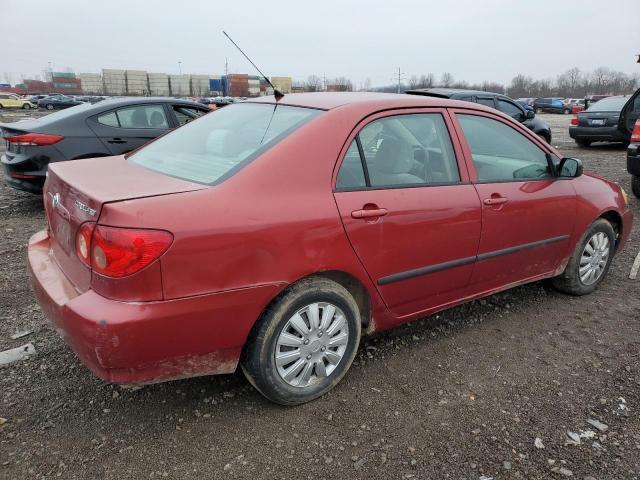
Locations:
215 146
609 104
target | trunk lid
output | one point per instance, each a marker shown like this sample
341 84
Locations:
598 119
75 192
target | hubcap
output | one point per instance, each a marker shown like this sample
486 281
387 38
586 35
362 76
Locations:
594 258
311 344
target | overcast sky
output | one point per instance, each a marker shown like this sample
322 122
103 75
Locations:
474 40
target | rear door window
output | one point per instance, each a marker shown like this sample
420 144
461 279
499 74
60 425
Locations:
143 116
486 101
400 151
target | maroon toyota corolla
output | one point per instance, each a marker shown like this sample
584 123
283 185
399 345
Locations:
271 234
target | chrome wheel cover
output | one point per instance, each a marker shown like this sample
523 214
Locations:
594 258
311 344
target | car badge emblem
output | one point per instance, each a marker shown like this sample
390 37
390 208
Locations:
55 200
85 208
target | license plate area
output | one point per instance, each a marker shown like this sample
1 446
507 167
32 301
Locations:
598 122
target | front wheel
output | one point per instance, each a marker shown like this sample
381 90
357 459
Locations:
590 260
49 106
566 111
635 185
304 343
538 110
26 106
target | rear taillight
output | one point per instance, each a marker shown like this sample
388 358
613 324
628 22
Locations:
574 120
635 135
34 139
118 252
83 242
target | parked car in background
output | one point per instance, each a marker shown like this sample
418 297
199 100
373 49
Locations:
578 105
109 127
630 124
599 123
551 105
11 100
34 98
500 102
57 101
272 234
526 101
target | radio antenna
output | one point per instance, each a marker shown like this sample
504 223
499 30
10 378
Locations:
276 93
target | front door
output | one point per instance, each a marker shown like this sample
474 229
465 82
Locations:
527 212
408 209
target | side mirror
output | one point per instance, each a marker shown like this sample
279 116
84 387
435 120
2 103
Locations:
570 168
530 114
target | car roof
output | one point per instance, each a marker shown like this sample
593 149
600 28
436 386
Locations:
142 100
375 101
450 92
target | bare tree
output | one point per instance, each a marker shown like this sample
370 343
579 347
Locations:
313 83
446 80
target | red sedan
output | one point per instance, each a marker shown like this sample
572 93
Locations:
270 235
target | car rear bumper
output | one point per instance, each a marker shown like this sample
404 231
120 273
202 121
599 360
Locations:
146 342
597 134
633 159
24 172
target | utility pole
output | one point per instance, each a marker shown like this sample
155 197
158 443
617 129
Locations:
226 66
180 67
324 82
400 78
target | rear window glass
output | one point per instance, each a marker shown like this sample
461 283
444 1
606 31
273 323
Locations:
218 144
610 104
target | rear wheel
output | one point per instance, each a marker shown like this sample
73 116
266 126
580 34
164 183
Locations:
304 343
635 185
590 260
584 143
566 111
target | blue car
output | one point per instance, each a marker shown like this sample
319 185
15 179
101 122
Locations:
551 105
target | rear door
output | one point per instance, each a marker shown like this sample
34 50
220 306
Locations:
630 113
127 128
408 209
527 212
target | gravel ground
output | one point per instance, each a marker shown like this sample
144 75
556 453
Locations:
486 390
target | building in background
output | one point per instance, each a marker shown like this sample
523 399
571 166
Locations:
91 83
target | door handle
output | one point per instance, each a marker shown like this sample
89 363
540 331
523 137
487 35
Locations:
116 140
495 201
369 213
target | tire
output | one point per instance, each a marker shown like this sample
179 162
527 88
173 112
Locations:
635 185
544 136
584 143
538 110
1 107
274 327
566 111
572 281
48 106
26 106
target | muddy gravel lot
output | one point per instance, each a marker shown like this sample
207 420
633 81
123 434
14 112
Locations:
499 388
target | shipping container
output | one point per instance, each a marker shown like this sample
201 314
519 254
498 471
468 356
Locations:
216 86
282 83
137 82
114 81
200 85
180 85
159 84
91 83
